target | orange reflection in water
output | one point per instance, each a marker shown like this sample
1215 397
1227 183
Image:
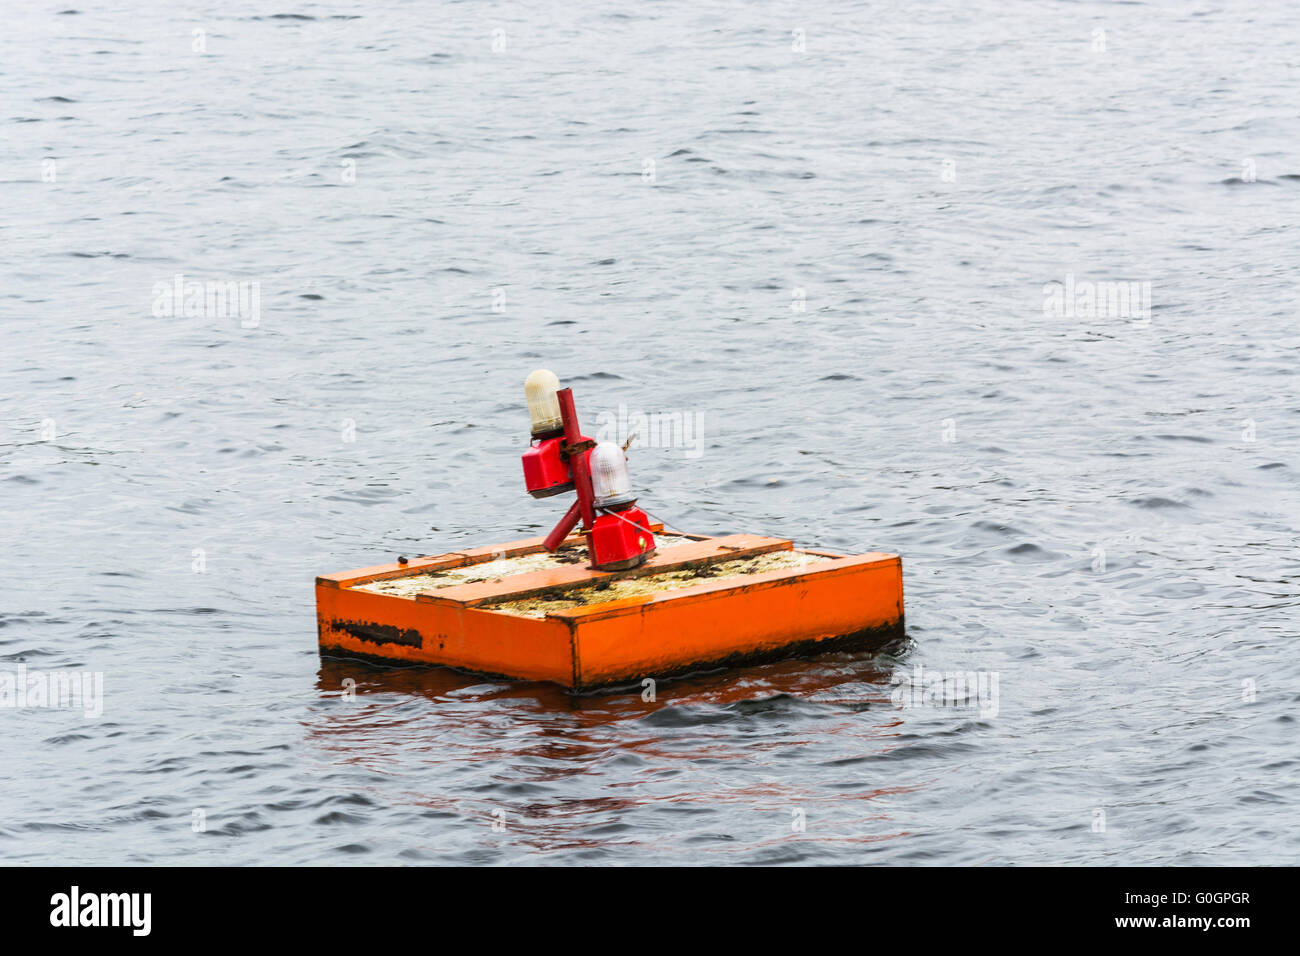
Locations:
635 753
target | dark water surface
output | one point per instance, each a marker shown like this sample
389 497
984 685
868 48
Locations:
1100 509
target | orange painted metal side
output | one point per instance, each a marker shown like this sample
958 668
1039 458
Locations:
713 623
734 620
366 624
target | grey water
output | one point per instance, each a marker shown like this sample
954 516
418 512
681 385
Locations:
833 239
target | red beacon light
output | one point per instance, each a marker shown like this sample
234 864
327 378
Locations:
546 472
621 536
560 458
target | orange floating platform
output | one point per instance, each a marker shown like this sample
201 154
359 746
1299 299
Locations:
516 610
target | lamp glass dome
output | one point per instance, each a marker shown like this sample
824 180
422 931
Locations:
610 483
543 405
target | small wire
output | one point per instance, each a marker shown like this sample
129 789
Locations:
665 523
637 526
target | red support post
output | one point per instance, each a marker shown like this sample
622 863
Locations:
561 530
577 462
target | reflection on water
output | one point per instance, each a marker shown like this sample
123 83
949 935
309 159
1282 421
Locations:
692 750
804 677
